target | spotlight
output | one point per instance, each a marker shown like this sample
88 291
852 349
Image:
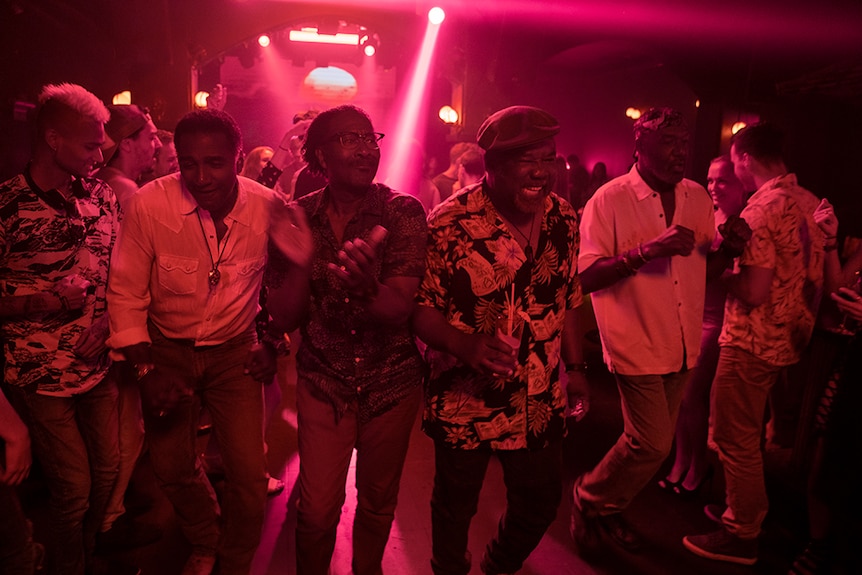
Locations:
633 113
737 126
264 40
124 97
448 114
201 99
369 44
697 103
436 15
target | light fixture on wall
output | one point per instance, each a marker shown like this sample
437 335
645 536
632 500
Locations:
633 113
449 115
264 40
737 126
201 98
122 98
369 44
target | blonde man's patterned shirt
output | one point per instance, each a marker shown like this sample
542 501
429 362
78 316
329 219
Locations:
42 241
785 239
473 264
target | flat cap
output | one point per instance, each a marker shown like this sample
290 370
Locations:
516 127
126 119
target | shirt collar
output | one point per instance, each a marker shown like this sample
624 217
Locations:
238 213
372 202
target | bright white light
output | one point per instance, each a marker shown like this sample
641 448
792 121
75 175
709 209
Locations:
737 126
448 114
697 103
369 50
436 15
311 35
264 40
124 97
633 113
201 99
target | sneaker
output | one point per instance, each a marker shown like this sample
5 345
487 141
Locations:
582 530
722 545
815 560
620 532
586 530
488 568
714 511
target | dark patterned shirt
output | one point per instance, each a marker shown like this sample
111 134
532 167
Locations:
350 358
43 239
473 265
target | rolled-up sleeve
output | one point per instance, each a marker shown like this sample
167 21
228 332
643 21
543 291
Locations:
129 279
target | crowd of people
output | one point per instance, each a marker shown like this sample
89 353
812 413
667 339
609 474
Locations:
150 275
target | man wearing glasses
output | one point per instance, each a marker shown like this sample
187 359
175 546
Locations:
359 372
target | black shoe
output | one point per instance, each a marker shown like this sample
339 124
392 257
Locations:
126 534
619 531
583 531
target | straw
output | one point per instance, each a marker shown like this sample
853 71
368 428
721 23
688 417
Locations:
512 312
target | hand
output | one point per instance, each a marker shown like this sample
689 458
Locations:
217 98
91 343
72 291
356 259
675 241
296 134
290 233
261 363
849 302
824 215
487 354
17 457
578 395
162 390
736 233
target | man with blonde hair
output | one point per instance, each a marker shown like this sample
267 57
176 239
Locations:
57 230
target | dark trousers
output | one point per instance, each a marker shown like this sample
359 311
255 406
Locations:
533 491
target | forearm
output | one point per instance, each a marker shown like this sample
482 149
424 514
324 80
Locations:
432 327
571 350
23 306
605 272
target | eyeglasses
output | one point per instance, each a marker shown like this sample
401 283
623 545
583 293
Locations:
351 140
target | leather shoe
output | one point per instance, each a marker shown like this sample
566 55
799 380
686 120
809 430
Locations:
619 531
199 564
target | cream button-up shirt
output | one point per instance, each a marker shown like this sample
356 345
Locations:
164 254
650 323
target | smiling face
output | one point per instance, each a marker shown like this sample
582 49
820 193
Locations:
727 192
523 179
78 146
208 167
662 154
348 168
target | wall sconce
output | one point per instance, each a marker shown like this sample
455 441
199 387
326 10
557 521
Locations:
122 98
449 115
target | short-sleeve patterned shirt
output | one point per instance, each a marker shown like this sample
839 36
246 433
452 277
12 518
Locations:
786 239
474 267
41 241
350 359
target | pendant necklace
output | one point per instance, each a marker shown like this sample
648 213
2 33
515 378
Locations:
528 250
214 275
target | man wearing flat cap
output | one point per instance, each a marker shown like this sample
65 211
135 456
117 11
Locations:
646 236
496 309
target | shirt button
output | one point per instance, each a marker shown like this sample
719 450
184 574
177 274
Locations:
352 332
356 360
358 388
347 300
661 215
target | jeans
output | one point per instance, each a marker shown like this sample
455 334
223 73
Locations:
533 491
75 440
739 395
235 403
131 429
650 404
325 449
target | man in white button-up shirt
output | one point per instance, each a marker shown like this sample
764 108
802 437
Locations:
183 296
644 243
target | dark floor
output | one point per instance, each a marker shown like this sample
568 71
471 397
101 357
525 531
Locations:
662 518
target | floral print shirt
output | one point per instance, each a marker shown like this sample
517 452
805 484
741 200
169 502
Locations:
43 239
474 266
785 239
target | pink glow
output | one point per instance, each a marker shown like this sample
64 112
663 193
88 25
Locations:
400 167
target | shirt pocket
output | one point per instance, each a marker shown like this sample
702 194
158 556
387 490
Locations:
178 274
248 273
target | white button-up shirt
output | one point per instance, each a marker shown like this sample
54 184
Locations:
163 257
650 323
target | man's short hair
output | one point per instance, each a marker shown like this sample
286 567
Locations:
210 121
62 103
473 162
457 150
318 130
165 137
763 141
127 121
